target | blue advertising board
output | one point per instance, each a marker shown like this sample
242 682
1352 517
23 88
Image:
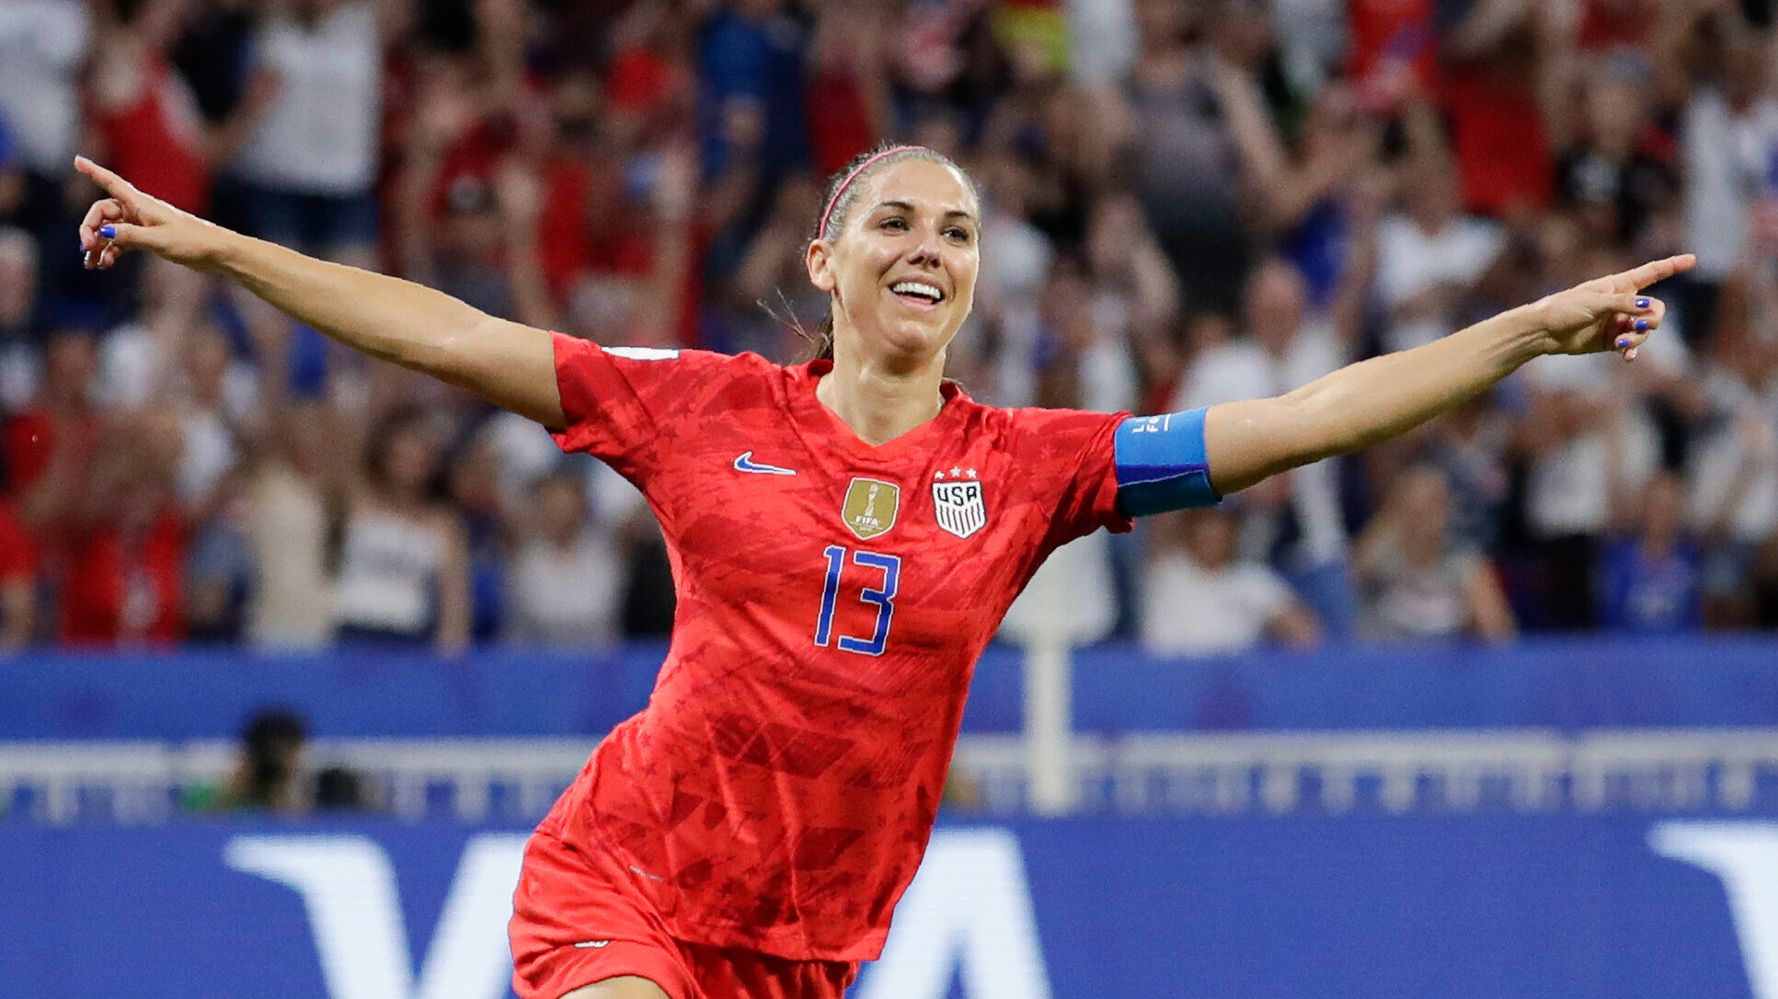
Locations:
1525 907
1690 682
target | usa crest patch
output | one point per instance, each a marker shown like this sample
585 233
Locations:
957 502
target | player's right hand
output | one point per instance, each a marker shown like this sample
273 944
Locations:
129 220
1608 313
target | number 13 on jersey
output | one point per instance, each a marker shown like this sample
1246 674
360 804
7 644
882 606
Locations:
882 597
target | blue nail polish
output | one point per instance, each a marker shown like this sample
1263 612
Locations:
1622 342
109 232
1642 303
1642 324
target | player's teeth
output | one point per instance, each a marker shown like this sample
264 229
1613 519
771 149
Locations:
916 288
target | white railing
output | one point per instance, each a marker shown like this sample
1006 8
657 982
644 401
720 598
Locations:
515 780
1525 770
136 782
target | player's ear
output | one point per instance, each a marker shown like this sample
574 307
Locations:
819 260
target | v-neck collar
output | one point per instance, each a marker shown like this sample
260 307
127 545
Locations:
821 427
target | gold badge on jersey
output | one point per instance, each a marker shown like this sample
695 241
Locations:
870 507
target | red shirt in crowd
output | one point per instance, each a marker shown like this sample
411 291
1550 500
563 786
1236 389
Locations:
30 439
1497 133
125 588
18 552
157 139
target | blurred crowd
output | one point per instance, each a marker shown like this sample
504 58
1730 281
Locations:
1185 202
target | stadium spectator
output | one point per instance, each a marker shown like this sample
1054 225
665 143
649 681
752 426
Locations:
403 566
567 576
1199 598
1418 163
1325 200
43 44
848 98
1470 449
1589 442
1068 360
1650 581
50 445
1430 256
1285 346
295 505
125 542
1493 89
1728 134
765 299
752 67
1185 163
143 112
1616 168
309 161
211 427
1133 295
1416 584
1733 469
266 775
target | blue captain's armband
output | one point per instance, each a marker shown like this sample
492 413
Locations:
1162 465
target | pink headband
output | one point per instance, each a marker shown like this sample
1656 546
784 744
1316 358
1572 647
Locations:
821 231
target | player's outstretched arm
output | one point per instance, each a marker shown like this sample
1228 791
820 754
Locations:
506 363
1376 399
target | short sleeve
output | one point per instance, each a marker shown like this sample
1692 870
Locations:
1070 458
617 401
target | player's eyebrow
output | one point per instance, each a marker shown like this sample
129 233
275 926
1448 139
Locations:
907 206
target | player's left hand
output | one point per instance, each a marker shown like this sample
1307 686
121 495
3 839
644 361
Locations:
1608 313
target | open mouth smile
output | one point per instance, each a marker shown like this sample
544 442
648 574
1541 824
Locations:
918 292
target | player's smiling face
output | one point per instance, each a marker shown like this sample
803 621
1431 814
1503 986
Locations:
904 266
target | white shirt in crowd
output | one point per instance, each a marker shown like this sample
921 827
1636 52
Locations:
1739 451
42 43
1727 159
1190 610
1569 489
137 368
566 596
1105 42
319 133
388 568
1240 369
1411 260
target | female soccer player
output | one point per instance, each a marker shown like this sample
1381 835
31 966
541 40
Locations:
845 535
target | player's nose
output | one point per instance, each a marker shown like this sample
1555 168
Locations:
926 250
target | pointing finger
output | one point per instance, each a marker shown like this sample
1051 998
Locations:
114 185
1659 270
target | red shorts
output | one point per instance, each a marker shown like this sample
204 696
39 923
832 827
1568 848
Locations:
577 919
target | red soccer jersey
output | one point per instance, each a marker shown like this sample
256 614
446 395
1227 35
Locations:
779 789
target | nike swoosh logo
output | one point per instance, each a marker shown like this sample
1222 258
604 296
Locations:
593 943
745 463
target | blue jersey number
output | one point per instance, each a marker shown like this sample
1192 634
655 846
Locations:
882 597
